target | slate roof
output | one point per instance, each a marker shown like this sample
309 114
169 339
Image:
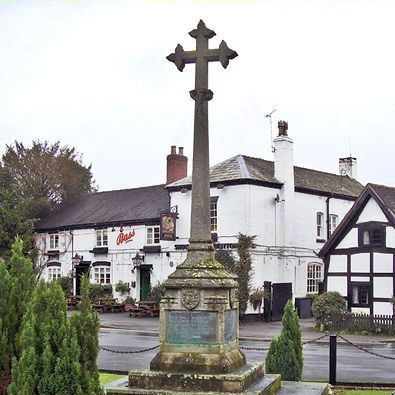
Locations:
111 207
246 168
387 195
383 195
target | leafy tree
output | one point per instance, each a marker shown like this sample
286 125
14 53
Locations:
285 354
48 174
14 214
49 358
86 325
16 287
326 304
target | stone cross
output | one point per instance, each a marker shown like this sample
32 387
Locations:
200 238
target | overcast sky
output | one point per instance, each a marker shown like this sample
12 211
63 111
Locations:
94 75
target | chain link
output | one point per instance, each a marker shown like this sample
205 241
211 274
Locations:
266 349
314 340
128 352
261 349
364 349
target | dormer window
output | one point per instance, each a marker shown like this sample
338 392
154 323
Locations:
54 241
101 238
371 235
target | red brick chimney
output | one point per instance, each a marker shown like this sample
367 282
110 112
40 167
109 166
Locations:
177 165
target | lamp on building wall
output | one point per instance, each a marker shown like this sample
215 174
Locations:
220 186
137 260
77 259
184 190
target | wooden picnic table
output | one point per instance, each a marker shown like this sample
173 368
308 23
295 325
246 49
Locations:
145 307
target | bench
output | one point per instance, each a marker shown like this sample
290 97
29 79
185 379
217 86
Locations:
117 308
98 307
153 312
137 312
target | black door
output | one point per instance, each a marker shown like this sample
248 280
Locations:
281 293
80 270
145 283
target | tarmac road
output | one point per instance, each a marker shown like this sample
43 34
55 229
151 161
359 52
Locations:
353 365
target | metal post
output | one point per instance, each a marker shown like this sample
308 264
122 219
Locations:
332 359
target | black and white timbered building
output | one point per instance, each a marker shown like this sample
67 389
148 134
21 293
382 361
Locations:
359 259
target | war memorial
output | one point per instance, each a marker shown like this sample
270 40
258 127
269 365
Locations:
199 314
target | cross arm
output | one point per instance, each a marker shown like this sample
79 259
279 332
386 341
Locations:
223 54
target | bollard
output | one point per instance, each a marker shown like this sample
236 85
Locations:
332 359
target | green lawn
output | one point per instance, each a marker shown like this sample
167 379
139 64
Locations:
106 378
365 392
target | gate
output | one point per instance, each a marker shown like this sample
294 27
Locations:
281 293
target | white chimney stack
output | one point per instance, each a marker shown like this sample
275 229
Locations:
283 157
348 167
284 172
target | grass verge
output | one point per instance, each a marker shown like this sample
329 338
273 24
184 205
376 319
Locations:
106 378
363 392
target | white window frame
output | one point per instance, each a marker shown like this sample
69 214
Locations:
102 274
53 273
314 276
54 241
333 222
153 235
320 224
101 238
213 216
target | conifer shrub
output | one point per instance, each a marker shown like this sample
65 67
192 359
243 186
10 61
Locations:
326 304
49 350
16 286
285 354
86 325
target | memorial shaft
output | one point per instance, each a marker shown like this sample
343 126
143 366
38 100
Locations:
199 310
200 211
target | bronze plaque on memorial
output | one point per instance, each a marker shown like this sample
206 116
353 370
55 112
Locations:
197 327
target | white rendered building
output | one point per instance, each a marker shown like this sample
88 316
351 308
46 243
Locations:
291 210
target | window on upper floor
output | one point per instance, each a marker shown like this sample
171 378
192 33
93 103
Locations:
102 274
320 225
314 276
153 235
360 294
101 238
54 241
54 272
213 213
333 221
371 235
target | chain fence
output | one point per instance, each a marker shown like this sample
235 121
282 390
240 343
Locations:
364 349
128 352
261 348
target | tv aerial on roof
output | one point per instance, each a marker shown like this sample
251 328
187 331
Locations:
271 127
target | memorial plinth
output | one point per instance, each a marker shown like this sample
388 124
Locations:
199 319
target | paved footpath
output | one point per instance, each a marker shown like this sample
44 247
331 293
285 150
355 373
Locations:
254 331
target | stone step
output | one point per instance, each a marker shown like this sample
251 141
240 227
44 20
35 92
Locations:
270 384
303 388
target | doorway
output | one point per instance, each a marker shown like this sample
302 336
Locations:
145 283
80 271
